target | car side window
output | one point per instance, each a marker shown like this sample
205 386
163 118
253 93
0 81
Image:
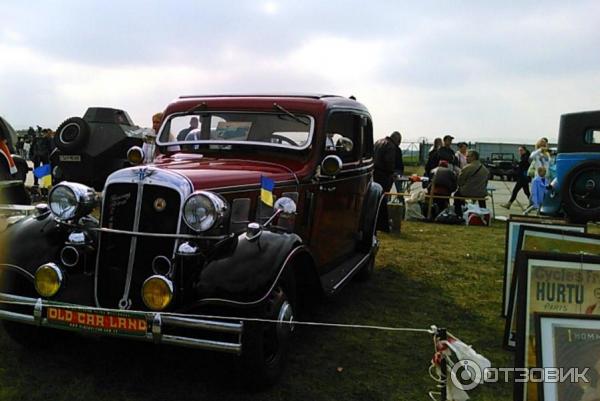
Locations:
348 125
367 139
592 136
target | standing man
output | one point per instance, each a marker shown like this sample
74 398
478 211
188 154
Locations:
446 153
388 162
40 151
472 182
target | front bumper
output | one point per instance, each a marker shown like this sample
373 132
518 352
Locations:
157 324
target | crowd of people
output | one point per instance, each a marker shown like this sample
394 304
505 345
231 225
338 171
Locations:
460 175
36 146
457 173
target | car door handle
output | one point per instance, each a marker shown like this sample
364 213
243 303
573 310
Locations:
326 189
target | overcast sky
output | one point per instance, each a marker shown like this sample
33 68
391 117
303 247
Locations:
481 70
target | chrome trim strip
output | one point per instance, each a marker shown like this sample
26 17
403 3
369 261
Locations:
309 140
157 235
125 302
233 328
18 269
351 272
156 334
144 175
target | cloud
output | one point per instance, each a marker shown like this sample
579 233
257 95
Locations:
482 70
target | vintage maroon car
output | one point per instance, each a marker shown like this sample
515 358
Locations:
188 250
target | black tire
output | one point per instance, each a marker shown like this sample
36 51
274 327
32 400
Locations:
581 193
28 336
265 345
72 134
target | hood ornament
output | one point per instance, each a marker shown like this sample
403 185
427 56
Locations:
143 173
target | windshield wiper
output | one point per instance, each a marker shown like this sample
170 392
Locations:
289 113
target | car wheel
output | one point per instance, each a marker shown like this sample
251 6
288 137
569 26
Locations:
265 345
581 193
72 134
29 336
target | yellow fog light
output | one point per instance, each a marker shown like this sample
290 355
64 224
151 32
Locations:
135 155
48 279
157 292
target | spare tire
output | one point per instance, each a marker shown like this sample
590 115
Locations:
72 134
581 193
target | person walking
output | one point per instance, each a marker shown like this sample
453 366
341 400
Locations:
522 179
388 162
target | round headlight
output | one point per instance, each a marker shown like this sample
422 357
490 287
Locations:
48 279
135 155
203 210
70 200
157 292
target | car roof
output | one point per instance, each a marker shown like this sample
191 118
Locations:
309 102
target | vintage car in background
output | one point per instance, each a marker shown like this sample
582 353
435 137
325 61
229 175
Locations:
13 168
575 190
91 148
502 165
253 208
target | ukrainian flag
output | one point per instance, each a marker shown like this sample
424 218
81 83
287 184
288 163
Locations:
266 190
44 174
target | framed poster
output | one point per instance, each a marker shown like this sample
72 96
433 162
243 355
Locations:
551 283
513 227
545 239
569 342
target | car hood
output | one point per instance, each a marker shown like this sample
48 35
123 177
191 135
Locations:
222 173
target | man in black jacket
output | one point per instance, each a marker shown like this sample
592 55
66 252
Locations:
388 161
446 153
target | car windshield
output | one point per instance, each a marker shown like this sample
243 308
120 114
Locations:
228 128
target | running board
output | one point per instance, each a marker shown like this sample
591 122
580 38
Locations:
333 281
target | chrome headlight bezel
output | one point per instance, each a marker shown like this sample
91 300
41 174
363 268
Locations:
82 200
216 209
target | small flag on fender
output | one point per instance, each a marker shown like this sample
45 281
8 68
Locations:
44 173
266 190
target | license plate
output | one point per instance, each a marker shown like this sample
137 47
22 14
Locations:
69 158
98 321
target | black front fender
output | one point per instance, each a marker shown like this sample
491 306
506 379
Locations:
245 275
26 245
32 241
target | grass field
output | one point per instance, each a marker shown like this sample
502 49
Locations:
450 276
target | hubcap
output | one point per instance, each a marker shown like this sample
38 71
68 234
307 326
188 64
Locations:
584 189
286 315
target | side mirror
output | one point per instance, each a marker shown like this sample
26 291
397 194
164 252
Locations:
285 205
344 143
331 165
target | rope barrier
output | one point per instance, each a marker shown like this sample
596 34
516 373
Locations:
438 334
244 319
